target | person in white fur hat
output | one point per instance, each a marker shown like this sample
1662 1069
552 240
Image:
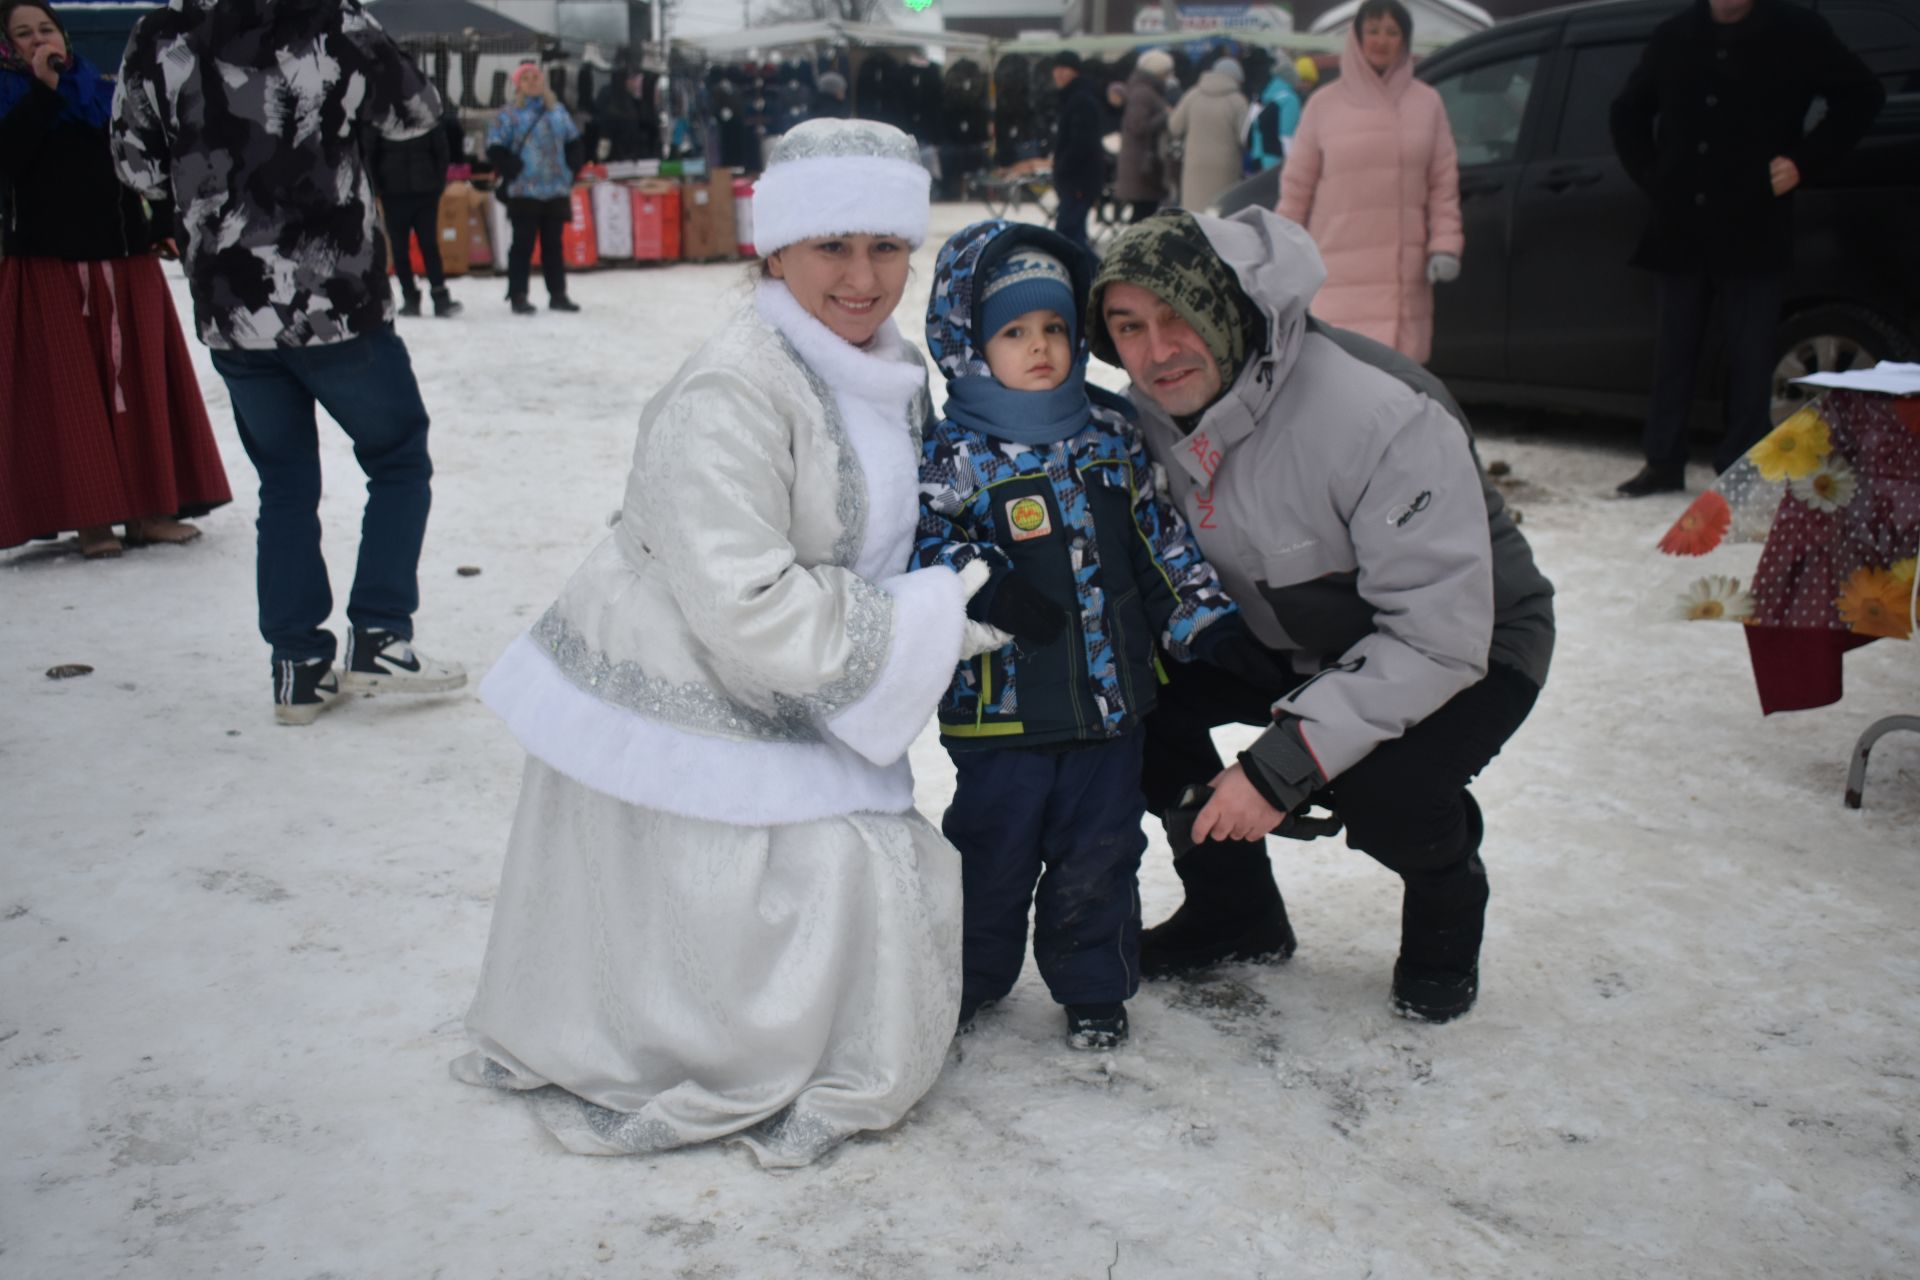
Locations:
720 916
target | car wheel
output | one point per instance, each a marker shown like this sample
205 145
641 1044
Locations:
1829 339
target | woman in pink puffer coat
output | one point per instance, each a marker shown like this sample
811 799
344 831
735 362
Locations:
1374 178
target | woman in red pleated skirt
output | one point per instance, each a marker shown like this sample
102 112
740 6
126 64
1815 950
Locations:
101 418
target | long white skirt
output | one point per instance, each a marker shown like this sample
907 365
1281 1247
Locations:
682 980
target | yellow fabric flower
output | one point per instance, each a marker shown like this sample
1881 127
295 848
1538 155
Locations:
1874 603
1794 448
1714 598
1903 570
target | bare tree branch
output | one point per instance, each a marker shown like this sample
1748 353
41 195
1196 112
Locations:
804 10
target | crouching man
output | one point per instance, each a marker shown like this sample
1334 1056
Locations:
1400 630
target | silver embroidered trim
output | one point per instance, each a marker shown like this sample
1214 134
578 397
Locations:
800 1134
687 706
824 138
850 504
870 626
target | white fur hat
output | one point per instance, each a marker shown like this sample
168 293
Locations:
840 177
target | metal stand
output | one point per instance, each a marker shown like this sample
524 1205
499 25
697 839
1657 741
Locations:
1857 774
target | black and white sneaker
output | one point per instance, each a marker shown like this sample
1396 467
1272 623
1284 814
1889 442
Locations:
1096 1026
382 662
302 690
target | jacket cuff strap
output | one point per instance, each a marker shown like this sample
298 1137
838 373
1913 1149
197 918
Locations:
1281 768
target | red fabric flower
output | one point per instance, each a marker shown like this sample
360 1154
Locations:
1701 528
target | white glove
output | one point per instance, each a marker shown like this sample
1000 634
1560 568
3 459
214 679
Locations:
1442 267
979 638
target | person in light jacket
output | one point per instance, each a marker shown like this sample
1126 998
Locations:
1141 180
1333 485
1211 120
529 145
720 916
1374 176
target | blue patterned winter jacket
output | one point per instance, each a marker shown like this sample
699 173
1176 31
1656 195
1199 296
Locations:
1082 520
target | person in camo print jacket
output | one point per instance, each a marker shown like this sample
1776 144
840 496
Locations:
249 115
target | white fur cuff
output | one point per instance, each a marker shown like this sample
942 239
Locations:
837 196
929 607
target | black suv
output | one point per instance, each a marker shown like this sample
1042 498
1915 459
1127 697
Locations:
1548 313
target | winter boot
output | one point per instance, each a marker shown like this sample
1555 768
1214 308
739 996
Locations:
1233 911
521 307
1437 976
410 302
302 690
562 303
970 1006
380 661
1096 1026
1433 995
443 303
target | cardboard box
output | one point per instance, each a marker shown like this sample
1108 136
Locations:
706 218
451 226
480 248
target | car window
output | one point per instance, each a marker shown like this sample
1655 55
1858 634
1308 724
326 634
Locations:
1886 41
1485 106
1600 71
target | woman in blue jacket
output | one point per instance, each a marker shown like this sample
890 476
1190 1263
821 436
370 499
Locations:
530 145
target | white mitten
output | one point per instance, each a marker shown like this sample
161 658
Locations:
979 638
1442 267
974 576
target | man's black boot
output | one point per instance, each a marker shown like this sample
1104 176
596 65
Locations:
1654 478
1233 911
410 304
1437 977
443 303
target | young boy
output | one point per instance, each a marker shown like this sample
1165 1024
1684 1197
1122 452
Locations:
1044 479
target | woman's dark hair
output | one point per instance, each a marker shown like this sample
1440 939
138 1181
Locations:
1386 9
6 18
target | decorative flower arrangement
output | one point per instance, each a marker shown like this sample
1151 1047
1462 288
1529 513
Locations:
1873 602
1828 489
1714 598
1701 528
1795 448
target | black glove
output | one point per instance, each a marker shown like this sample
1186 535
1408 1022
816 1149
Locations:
1018 608
1226 643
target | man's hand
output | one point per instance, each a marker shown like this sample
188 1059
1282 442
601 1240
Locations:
1785 174
1237 810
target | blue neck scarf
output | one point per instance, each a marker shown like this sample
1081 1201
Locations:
1024 417
84 96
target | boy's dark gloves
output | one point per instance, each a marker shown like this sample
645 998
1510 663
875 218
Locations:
1018 608
1226 643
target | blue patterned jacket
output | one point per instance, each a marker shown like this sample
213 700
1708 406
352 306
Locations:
1081 519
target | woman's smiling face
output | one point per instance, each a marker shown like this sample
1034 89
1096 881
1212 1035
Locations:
849 283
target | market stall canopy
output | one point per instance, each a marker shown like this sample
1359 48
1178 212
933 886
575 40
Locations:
830 31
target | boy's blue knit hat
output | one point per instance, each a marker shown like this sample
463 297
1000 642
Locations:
1027 279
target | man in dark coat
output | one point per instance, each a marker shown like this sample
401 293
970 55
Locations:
1728 83
409 175
1079 159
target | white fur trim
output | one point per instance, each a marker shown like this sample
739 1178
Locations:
643 762
885 372
930 606
837 196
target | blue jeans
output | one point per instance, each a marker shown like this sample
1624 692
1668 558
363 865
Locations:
1057 831
366 385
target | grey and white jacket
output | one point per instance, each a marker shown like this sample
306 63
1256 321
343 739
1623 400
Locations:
744 647
1347 514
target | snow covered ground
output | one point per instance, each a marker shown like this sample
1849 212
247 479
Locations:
236 955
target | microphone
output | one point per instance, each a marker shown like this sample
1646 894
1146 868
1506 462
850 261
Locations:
57 64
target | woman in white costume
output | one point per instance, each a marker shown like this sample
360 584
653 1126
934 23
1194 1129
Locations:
720 916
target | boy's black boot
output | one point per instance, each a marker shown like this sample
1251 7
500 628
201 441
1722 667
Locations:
1096 1026
1233 911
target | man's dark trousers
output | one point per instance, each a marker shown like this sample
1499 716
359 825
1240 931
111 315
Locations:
366 385
1070 219
1748 305
416 216
1068 822
1405 804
